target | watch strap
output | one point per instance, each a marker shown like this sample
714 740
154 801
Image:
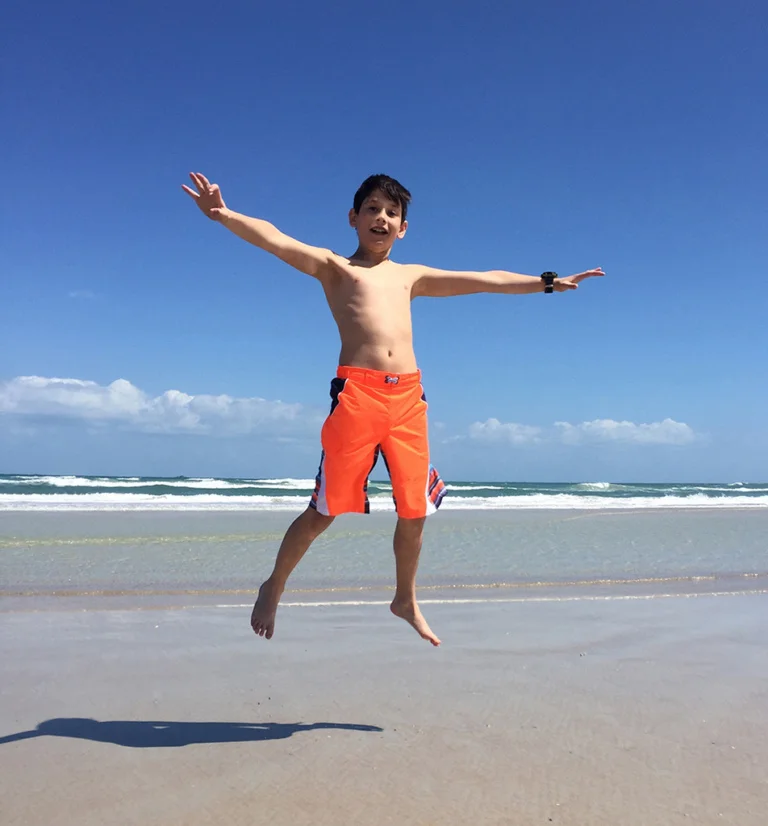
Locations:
549 281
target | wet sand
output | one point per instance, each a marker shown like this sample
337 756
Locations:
607 707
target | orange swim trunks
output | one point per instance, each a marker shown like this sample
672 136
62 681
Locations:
372 413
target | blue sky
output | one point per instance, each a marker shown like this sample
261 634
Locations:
555 135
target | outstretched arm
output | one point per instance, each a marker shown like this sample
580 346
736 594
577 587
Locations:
303 257
442 283
19 735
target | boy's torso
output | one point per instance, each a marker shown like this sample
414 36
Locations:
372 309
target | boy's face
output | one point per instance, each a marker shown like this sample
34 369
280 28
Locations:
378 223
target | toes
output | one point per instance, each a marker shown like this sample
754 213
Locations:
263 628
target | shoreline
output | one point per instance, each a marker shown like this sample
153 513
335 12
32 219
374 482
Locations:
242 508
443 513
349 597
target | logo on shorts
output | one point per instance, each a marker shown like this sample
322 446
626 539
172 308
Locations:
392 379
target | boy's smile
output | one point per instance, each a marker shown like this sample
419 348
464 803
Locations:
378 223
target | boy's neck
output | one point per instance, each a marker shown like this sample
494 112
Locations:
369 258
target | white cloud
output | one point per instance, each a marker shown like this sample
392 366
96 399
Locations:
599 431
123 404
666 432
126 406
87 294
508 433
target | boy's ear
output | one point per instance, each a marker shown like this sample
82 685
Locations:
403 228
353 218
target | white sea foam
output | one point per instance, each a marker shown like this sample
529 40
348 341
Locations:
729 489
460 487
146 502
382 502
287 484
53 481
355 603
596 485
566 501
134 482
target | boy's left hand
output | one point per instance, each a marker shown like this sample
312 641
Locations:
572 281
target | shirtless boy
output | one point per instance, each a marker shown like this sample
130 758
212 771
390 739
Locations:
378 404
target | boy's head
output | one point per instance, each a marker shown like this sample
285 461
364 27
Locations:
379 210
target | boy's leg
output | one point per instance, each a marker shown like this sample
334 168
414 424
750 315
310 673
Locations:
417 490
302 533
408 539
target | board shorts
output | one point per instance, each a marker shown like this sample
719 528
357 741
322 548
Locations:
376 413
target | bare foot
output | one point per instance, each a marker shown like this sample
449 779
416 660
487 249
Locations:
263 615
409 611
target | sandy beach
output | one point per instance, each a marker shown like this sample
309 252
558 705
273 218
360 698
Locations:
603 708
596 668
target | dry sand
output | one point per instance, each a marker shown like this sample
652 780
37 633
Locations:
583 712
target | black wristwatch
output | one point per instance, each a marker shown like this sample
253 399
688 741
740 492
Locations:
549 279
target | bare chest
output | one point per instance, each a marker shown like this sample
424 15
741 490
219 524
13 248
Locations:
362 289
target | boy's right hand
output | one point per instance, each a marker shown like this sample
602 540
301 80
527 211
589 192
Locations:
208 196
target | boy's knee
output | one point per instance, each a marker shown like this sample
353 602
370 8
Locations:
411 526
316 522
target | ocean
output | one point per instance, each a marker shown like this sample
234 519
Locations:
131 535
145 493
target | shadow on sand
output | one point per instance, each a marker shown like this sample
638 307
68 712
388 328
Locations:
150 734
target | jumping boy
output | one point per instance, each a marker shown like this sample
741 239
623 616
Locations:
378 405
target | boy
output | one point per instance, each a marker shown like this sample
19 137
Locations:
378 405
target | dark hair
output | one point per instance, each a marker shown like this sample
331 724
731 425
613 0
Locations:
393 189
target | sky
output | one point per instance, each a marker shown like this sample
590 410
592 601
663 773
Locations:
138 338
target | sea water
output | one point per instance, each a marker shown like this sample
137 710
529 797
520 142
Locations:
68 534
30 492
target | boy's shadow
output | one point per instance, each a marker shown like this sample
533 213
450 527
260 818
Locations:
147 734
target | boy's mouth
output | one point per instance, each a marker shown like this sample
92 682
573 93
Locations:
379 231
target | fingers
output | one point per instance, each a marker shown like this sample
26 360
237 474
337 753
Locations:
586 274
202 183
206 188
197 182
208 195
